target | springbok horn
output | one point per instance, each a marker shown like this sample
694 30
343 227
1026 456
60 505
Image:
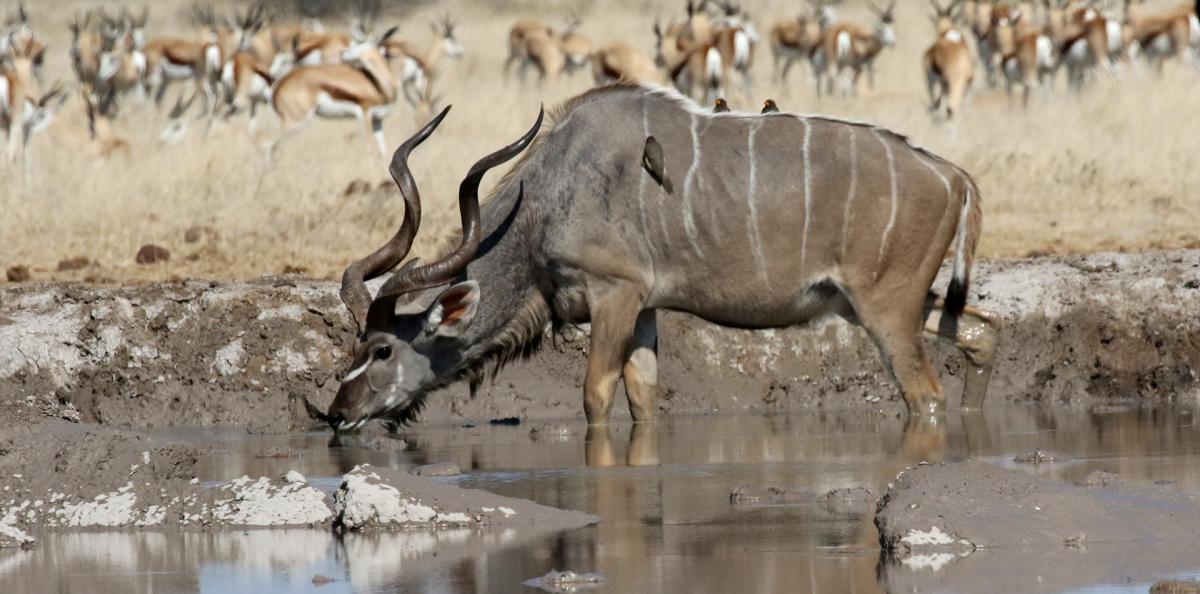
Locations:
354 291
446 269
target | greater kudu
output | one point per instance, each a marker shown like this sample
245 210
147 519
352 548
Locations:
773 220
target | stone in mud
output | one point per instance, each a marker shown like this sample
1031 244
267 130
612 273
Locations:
1035 457
438 469
76 263
152 254
849 500
266 502
1175 587
321 580
381 498
936 513
11 536
766 495
550 432
17 274
566 581
1099 478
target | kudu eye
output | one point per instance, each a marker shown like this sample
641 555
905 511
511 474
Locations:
383 353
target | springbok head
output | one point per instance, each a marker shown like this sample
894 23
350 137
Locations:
944 17
413 332
445 28
368 56
886 16
823 12
248 24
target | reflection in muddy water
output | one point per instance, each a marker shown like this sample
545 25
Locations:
663 493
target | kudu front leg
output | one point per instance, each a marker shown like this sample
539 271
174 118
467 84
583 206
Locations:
976 334
614 316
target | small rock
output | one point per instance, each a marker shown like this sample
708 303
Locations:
1175 587
11 536
197 232
756 494
566 581
152 254
75 263
357 186
438 469
320 580
550 432
294 477
849 500
293 269
17 274
1099 478
506 421
1034 457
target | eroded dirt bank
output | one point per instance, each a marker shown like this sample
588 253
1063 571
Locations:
975 526
55 474
1081 330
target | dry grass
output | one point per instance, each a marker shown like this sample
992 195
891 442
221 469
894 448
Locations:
1115 169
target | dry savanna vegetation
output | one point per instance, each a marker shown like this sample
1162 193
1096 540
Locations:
1114 167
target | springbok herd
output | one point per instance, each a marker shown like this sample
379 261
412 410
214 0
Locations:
237 63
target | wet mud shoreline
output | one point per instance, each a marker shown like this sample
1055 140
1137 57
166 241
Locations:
1087 330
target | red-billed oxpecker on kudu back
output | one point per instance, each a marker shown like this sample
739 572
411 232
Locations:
774 220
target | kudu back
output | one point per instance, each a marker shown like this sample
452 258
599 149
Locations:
749 221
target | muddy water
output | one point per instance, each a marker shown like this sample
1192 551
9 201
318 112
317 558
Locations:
664 494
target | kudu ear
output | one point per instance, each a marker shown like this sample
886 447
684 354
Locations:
452 312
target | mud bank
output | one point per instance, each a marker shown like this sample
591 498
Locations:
1080 330
58 475
957 526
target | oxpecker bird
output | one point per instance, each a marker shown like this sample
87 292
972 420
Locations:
655 164
720 106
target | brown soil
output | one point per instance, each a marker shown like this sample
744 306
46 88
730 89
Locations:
971 521
1106 329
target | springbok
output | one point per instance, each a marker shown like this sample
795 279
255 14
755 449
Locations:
774 220
531 44
736 39
851 46
172 59
362 87
621 61
949 68
18 35
122 62
1098 41
1031 64
417 64
576 47
1164 34
690 65
793 40
24 109
103 143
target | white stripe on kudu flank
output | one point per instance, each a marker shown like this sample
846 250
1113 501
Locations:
807 189
891 160
689 218
853 185
755 239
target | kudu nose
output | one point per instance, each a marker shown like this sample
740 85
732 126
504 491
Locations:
336 421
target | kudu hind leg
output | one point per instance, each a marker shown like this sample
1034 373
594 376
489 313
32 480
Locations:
614 315
641 368
898 337
975 333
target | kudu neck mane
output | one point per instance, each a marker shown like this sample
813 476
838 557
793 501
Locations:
513 312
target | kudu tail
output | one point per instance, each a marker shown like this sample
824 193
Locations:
970 220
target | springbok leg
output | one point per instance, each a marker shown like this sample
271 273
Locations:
614 314
641 368
976 335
